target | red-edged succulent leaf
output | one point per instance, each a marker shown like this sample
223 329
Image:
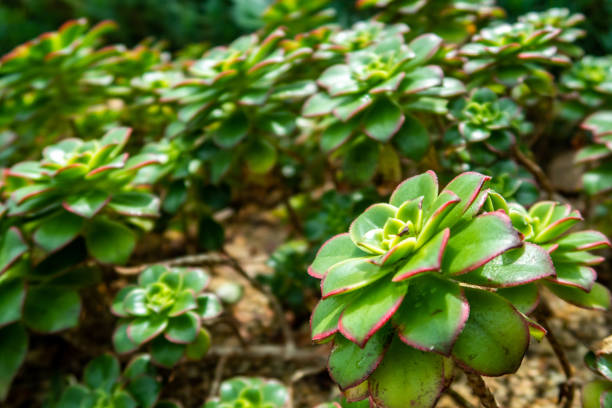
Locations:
407 377
371 310
374 217
425 259
58 230
325 316
597 298
383 120
432 315
183 329
117 306
353 105
12 246
467 187
336 135
423 185
477 242
88 204
582 241
514 267
143 329
349 365
121 341
578 276
445 203
333 251
495 337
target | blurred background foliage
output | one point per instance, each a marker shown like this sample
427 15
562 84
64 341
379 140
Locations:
183 22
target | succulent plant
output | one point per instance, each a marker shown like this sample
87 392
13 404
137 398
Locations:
598 393
598 179
236 93
393 300
453 20
105 386
484 117
588 84
515 56
79 188
545 224
297 17
243 392
559 19
166 309
47 82
373 93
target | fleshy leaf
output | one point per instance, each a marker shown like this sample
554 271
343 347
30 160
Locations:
13 349
383 120
495 337
425 259
333 251
407 377
369 312
597 298
12 295
58 230
424 185
479 241
50 309
433 314
349 365
109 241
183 329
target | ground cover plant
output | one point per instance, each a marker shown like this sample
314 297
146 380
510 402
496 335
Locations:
375 203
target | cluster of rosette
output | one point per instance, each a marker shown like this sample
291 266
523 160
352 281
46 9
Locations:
166 309
82 188
598 393
250 392
598 179
104 385
425 282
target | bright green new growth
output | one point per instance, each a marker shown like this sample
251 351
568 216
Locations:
82 188
598 393
242 392
166 309
105 386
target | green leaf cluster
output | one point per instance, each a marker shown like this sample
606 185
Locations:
166 309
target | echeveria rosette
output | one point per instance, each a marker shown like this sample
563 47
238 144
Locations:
598 179
484 117
166 309
297 17
240 96
360 35
514 56
453 20
587 86
373 94
546 224
104 385
81 188
393 301
250 393
560 19
52 80
598 393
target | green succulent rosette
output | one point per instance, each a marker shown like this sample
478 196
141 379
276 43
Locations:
104 385
47 85
395 302
598 393
367 102
515 56
245 392
598 179
587 85
297 17
240 97
546 224
166 309
560 19
82 188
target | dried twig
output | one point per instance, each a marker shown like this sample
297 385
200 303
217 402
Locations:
480 389
536 170
567 389
186 260
214 388
267 351
458 398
